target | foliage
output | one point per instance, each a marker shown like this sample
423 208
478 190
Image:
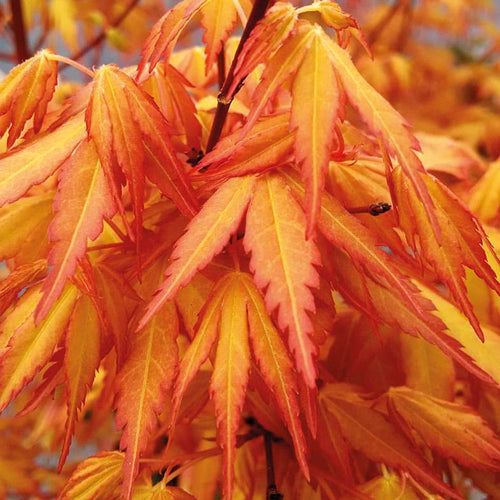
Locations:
236 269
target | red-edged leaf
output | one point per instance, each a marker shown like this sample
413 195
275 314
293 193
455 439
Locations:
385 304
316 107
269 33
199 349
230 376
168 86
82 201
218 17
30 346
371 433
116 135
26 92
81 360
267 145
142 385
344 231
385 122
275 366
164 34
283 265
454 430
460 243
36 160
205 237
280 67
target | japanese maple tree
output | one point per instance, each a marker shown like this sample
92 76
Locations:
261 262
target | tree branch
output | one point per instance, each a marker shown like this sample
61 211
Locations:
22 51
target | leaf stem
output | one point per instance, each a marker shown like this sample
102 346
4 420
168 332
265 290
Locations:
69 62
19 31
272 492
223 101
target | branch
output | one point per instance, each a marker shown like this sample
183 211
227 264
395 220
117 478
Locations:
102 36
272 492
19 31
258 10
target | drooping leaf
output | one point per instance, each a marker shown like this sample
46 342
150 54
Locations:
376 437
269 33
283 265
82 202
454 430
276 367
142 385
30 346
230 376
284 63
316 107
81 360
485 197
218 18
385 122
199 349
460 245
164 34
373 298
205 237
34 161
25 92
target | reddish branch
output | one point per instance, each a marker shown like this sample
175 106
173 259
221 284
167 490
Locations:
22 52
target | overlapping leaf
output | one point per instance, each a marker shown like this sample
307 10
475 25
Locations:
276 367
25 92
316 107
205 237
34 161
142 385
460 245
455 431
129 131
82 202
283 263
269 33
230 376
380 440
267 145
81 360
30 346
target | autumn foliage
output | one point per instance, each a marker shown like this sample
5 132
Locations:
262 266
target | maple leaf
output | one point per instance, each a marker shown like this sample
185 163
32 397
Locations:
383 121
205 237
82 202
455 431
164 34
96 477
25 92
269 33
316 101
276 367
461 242
371 433
30 346
267 145
283 264
218 17
142 385
35 160
81 360
230 376
127 128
